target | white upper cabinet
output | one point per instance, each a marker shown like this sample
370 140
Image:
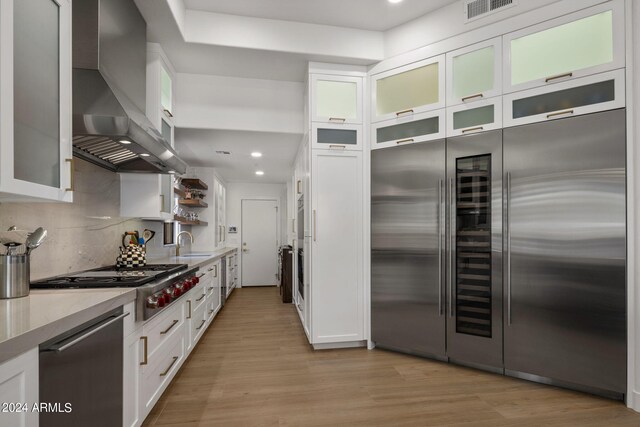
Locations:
336 99
474 117
336 136
474 72
408 129
148 196
586 42
407 90
35 100
160 91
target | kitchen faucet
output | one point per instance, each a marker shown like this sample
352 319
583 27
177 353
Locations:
178 240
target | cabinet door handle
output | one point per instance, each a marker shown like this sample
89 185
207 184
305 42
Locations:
337 147
145 359
298 186
470 97
216 272
477 128
164 374
161 203
293 225
189 315
400 113
200 299
337 119
559 113
167 112
72 181
201 325
174 323
559 76
315 225
402 141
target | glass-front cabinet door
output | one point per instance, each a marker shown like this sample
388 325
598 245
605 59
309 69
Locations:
475 117
474 73
408 90
474 249
35 95
408 130
336 99
336 137
586 42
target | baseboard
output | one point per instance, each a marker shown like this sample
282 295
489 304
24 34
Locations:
333 345
633 401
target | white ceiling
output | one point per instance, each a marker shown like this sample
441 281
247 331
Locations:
376 15
198 148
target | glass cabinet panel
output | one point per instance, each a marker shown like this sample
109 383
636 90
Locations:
412 129
408 90
473 117
473 245
166 132
473 72
337 136
336 99
36 74
576 45
165 82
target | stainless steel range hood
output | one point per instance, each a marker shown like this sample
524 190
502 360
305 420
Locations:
110 127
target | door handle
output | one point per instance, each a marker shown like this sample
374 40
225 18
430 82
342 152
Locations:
507 224
440 218
59 347
315 225
452 224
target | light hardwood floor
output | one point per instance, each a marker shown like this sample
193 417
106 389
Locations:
254 367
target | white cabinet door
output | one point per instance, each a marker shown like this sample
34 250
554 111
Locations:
160 91
407 90
19 386
474 72
475 117
582 43
221 227
132 351
36 158
590 94
336 99
337 291
336 136
410 129
148 196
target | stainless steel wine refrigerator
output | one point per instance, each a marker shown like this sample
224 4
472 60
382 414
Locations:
506 251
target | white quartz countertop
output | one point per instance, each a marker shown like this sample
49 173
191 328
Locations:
194 259
44 314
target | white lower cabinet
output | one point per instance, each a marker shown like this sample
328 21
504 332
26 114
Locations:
19 386
131 379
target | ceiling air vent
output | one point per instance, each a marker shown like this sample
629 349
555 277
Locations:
475 9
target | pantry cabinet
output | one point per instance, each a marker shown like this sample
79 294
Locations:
19 385
585 42
408 90
336 99
36 153
160 91
148 196
474 73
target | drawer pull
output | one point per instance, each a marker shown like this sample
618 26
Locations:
559 76
200 299
402 141
201 325
145 359
211 312
211 288
337 119
559 113
400 113
167 112
211 269
472 129
201 276
175 322
470 97
333 146
189 315
173 362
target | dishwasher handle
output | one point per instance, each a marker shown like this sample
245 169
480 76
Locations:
64 345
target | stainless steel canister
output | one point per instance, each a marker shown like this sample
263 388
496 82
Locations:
14 276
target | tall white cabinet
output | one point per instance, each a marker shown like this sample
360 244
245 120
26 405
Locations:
329 187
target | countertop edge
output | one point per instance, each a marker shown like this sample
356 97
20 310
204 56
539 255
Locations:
193 261
24 342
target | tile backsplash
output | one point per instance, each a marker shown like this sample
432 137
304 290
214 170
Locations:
84 234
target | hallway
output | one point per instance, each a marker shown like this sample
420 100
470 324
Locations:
254 367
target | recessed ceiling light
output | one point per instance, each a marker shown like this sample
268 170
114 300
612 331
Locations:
145 154
256 154
394 1
125 141
260 173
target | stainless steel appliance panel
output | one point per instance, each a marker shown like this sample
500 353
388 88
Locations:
474 250
565 309
407 248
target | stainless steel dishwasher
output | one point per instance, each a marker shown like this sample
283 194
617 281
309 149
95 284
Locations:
81 374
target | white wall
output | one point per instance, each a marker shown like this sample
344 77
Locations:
237 191
232 103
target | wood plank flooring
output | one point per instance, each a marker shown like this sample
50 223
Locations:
254 367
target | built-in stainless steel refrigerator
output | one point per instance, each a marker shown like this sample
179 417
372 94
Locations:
506 250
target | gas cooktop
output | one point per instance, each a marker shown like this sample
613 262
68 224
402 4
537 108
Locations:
111 277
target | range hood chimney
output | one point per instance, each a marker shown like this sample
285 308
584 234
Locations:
110 127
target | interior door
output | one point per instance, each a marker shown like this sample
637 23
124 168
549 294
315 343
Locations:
259 242
474 258
407 248
565 252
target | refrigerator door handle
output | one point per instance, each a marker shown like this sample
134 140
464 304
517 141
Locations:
440 228
507 223
451 243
